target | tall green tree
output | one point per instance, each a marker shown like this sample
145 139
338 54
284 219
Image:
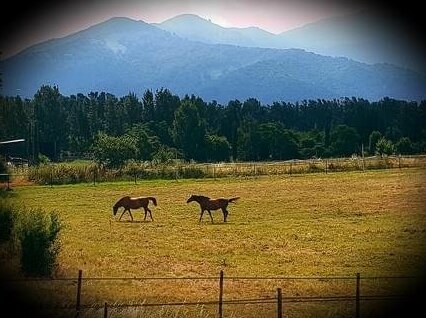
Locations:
166 105
344 140
189 131
50 120
133 109
247 141
374 137
217 148
146 143
115 117
148 106
231 124
114 151
404 146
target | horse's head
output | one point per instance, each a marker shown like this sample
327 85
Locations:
114 209
191 198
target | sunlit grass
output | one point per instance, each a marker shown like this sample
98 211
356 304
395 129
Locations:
301 225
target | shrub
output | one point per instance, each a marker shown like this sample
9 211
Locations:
191 172
62 173
113 151
39 242
314 168
384 147
3 165
6 222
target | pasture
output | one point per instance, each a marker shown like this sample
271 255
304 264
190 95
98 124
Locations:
338 224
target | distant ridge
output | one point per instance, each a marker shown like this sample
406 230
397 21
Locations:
361 36
195 28
122 55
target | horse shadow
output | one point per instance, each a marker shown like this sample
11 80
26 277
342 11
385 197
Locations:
133 221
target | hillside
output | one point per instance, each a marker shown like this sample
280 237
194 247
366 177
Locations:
123 55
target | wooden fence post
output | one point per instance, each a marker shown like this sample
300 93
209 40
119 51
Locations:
80 274
221 295
106 310
279 303
357 297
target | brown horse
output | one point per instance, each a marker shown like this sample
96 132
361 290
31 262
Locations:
134 203
207 204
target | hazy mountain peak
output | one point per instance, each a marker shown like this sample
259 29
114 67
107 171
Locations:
189 24
118 23
186 17
195 28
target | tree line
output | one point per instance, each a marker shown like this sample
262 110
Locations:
162 126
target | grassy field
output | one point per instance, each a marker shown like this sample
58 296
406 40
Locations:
295 225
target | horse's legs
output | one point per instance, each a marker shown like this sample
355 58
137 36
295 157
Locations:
121 215
225 214
211 218
146 213
125 212
150 214
201 215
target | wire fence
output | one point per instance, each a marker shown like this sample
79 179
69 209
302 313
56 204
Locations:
278 300
65 173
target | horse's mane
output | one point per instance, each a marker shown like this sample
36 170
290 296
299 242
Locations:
202 197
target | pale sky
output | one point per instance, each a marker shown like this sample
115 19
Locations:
44 20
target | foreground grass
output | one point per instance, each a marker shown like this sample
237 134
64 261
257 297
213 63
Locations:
302 225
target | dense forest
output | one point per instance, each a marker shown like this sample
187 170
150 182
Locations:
161 125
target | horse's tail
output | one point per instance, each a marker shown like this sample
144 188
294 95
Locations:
153 200
232 200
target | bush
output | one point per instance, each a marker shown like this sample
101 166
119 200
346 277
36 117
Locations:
6 222
112 151
191 172
39 242
3 165
384 147
63 173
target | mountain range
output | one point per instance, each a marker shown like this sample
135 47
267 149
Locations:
361 36
191 55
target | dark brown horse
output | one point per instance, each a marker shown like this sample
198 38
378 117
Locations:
207 204
134 203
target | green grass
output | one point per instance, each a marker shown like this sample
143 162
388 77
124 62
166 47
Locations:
300 225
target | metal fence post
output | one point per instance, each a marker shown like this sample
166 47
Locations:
279 303
357 297
80 274
106 310
221 295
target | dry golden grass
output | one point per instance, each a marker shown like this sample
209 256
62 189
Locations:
301 225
